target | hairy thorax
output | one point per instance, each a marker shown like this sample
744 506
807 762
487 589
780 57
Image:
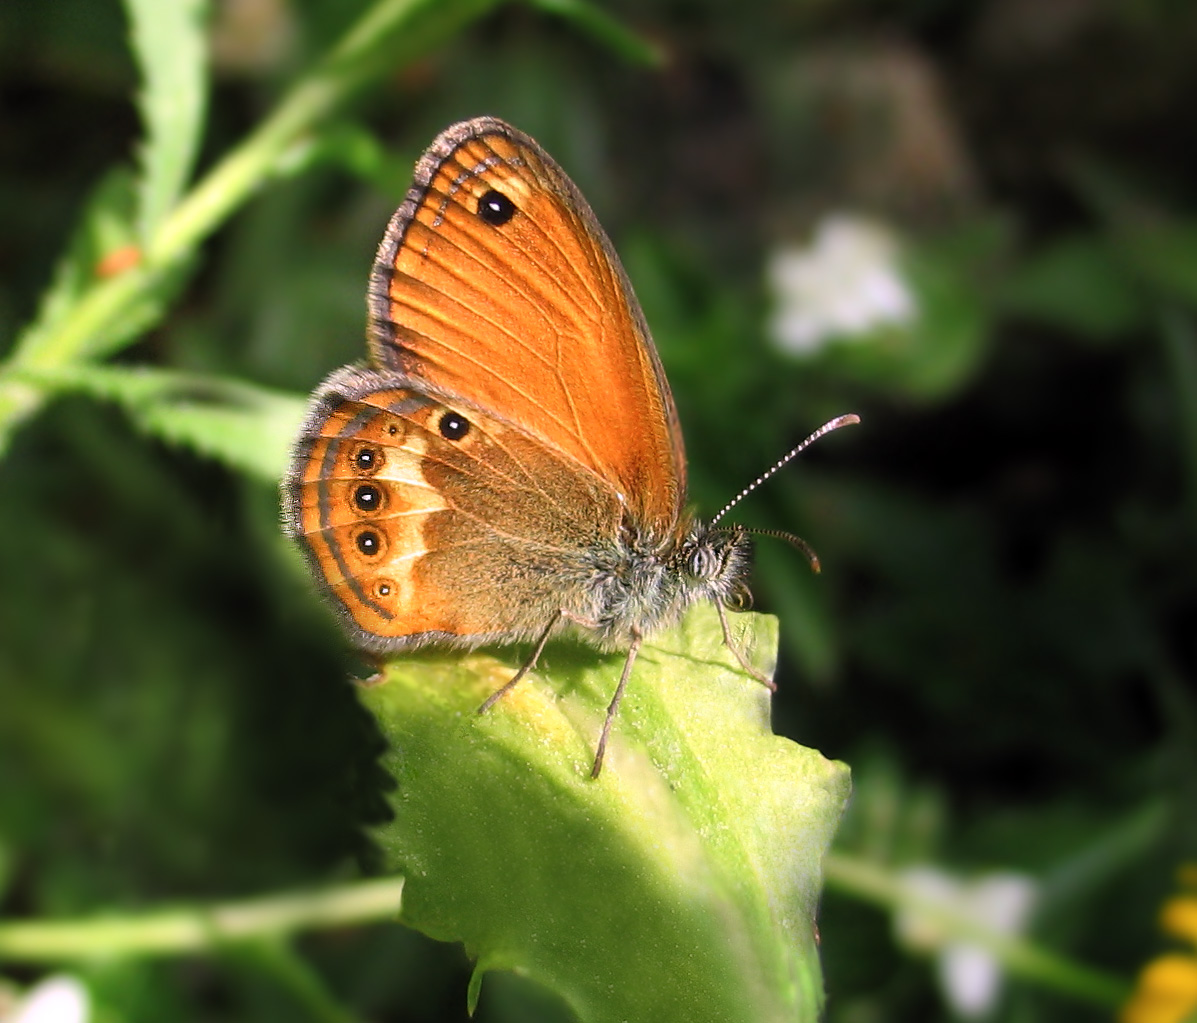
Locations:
643 581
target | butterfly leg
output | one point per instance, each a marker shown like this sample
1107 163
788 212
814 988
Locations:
529 664
613 706
752 670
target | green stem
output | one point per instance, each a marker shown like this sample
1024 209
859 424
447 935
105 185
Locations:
885 888
200 928
354 61
367 50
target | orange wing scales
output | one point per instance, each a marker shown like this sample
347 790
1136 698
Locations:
367 552
532 320
401 524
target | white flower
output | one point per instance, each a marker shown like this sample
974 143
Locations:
58 999
845 283
969 975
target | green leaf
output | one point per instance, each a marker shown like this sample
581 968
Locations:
1164 254
680 885
168 41
1077 283
249 428
949 341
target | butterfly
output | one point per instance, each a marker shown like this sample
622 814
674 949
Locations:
509 465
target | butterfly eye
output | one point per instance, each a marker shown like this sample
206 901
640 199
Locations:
453 426
702 562
367 497
367 459
495 208
368 542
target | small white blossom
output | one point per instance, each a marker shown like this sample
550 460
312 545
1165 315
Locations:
58 999
969 975
845 283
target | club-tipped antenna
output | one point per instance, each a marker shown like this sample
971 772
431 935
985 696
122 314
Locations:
827 427
794 541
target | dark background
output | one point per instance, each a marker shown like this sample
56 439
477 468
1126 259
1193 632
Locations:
1002 641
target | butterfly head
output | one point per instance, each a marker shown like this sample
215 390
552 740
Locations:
716 563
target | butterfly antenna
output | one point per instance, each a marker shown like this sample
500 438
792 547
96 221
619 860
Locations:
793 540
834 424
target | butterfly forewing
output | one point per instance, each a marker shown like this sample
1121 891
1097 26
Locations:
495 282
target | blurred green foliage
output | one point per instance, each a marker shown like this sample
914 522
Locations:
1001 642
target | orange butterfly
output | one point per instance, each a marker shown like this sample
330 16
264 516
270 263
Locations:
510 465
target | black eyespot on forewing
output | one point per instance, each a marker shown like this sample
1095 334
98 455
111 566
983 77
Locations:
495 208
368 542
453 426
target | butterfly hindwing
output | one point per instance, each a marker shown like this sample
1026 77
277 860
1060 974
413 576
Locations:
429 520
